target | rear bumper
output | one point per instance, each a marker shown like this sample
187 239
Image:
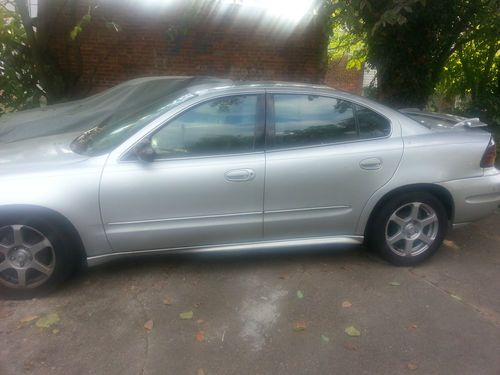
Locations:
476 197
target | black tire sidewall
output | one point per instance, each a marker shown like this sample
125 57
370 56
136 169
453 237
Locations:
377 231
65 259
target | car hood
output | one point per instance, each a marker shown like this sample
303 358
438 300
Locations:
54 149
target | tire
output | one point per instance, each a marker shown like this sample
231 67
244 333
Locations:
36 256
409 228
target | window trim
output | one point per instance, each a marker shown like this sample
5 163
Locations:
271 123
259 131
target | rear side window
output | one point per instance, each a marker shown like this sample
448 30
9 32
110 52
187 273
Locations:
303 120
371 124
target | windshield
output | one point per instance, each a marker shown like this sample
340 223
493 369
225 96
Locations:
118 127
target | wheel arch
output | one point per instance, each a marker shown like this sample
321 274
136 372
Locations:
438 191
52 215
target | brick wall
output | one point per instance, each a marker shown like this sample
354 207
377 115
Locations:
341 78
226 45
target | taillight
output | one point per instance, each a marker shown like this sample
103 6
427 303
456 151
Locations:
489 156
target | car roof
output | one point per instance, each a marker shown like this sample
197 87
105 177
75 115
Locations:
197 84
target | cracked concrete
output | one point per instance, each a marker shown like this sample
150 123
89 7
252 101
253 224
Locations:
442 318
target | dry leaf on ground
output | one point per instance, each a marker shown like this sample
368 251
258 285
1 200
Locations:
454 296
352 331
450 244
300 325
346 304
300 294
167 301
186 315
394 283
200 336
412 366
325 338
48 320
148 326
29 318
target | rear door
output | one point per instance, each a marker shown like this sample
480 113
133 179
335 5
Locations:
205 186
325 157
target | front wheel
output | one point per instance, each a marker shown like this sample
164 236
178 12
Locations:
35 256
409 228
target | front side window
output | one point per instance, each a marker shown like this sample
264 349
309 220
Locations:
303 120
217 127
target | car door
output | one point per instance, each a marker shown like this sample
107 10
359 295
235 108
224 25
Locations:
325 157
204 186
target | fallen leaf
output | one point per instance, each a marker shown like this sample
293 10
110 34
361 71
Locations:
412 366
48 320
200 372
412 327
200 321
200 336
451 245
28 318
325 338
186 315
55 331
352 331
346 304
167 301
300 295
458 298
148 326
300 325
263 298
394 283
350 346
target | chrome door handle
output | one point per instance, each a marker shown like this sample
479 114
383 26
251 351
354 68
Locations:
239 175
371 163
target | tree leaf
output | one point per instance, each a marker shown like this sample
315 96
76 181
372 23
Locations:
352 331
300 295
48 320
325 338
167 301
394 283
186 315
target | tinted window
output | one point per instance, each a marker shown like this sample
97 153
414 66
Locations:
220 126
371 124
302 120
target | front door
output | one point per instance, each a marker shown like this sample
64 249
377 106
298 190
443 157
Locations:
204 187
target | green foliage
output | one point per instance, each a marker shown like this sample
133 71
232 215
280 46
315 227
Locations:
472 73
19 86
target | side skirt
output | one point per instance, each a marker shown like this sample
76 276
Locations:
280 244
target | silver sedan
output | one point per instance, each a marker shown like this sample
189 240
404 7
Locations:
180 164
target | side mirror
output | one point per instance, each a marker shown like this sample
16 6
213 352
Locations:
144 151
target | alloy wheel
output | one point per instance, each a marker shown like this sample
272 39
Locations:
412 229
27 257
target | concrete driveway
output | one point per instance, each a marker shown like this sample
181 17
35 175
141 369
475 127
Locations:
262 313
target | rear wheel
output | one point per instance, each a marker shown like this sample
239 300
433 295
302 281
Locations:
35 256
409 228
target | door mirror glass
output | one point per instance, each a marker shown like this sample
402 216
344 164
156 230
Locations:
144 151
